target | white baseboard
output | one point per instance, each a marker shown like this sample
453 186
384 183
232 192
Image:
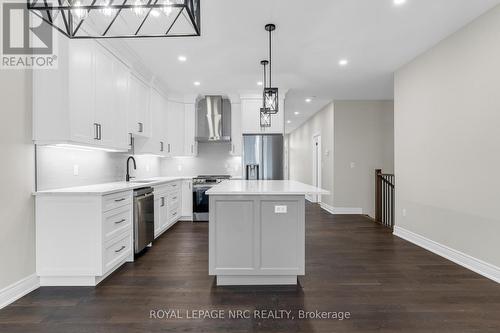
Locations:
485 269
341 210
18 289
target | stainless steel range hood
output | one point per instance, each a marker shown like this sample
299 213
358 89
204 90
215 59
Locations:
213 120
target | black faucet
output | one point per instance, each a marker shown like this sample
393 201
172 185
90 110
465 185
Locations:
127 178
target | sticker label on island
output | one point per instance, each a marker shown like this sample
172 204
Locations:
280 209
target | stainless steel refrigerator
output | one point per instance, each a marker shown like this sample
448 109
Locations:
263 157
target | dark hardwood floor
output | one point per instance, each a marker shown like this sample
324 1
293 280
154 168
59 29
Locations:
352 264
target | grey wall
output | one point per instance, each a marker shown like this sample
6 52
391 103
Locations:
447 117
212 159
364 141
17 225
300 154
55 167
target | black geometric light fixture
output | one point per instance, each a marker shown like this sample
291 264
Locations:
271 102
120 18
265 116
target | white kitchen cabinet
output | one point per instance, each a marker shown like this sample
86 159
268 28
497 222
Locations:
157 142
190 144
187 200
250 117
79 103
161 209
236 134
139 115
82 238
175 128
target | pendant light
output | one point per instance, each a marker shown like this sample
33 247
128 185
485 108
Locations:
120 18
265 117
270 93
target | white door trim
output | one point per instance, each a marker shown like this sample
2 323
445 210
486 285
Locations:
317 162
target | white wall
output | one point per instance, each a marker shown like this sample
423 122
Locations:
55 167
363 141
447 135
300 153
17 169
212 159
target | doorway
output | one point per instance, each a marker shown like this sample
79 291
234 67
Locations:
316 165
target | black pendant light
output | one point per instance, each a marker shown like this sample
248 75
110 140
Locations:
270 93
265 117
120 18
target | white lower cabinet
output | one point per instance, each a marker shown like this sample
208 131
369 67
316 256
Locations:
168 199
187 200
82 238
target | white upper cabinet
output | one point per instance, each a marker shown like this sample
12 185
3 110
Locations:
190 144
250 113
175 128
157 142
236 134
79 103
139 116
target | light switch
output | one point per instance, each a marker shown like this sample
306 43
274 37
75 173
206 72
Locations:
404 211
179 167
76 170
353 165
280 209
148 168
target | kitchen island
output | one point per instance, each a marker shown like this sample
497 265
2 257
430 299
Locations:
257 231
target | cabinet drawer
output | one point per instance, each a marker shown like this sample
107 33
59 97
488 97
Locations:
117 251
173 214
174 199
116 200
117 221
161 190
174 186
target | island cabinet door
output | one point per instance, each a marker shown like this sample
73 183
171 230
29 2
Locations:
282 236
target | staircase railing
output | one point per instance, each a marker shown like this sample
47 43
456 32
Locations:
384 198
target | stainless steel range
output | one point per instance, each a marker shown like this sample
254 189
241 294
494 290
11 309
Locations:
200 200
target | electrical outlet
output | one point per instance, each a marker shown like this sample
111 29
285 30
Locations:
76 170
280 209
403 211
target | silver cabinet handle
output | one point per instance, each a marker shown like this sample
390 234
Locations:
174 198
121 221
120 249
174 213
168 146
131 142
161 145
192 149
118 200
162 201
100 131
96 131
141 127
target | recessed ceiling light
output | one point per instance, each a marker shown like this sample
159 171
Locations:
288 121
260 83
296 113
308 100
155 13
181 58
399 2
196 83
343 62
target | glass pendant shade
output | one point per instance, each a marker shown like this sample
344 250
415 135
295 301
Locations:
271 102
265 118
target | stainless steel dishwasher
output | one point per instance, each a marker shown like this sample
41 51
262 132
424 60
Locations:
144 218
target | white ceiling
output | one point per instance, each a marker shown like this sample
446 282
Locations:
376 37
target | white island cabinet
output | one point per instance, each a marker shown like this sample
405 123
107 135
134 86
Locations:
257 231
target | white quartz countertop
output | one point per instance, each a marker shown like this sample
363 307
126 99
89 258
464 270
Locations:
264 187
109 188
